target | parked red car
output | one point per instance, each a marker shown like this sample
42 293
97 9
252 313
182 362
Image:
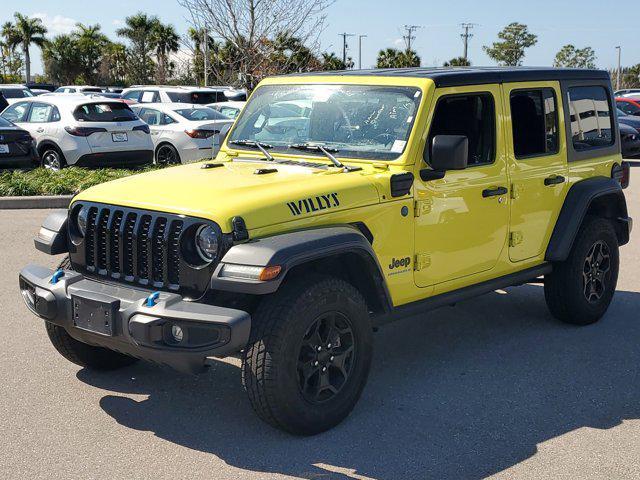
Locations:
628 105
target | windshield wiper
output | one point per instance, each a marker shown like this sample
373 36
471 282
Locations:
259 145
318 147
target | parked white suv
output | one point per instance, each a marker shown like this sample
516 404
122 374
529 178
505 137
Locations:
78 89
82 131
183 132
13 93
196 95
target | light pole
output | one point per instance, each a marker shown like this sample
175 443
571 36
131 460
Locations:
344 47
360 37
619 48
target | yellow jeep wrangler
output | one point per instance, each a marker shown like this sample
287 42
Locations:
338 202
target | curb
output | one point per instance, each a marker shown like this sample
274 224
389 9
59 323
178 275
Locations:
48 201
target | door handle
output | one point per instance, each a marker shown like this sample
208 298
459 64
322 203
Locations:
554 180
494 192
40 130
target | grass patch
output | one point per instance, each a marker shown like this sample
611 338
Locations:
68 181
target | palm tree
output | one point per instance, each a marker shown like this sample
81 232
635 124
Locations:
91 43
387 58
165 41
28 31
139 30
457 62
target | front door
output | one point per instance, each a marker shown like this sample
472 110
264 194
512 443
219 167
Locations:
462 219
537 164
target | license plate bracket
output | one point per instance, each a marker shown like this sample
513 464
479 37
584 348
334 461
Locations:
95 313
119 136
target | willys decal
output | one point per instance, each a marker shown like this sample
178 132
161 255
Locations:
314 204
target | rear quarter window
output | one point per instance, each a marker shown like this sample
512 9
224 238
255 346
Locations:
591 118
104 112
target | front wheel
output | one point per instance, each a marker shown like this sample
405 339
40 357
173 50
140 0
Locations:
96 358
309 355
580 289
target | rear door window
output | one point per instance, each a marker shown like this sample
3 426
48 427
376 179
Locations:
534 119
40 113
149 96
104 112
591 119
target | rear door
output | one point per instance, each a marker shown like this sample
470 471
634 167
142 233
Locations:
537 160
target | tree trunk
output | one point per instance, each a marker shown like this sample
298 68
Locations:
27 64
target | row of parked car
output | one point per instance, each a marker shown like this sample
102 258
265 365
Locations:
628 103
137 126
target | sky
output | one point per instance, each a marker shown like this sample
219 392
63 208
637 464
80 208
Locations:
557 23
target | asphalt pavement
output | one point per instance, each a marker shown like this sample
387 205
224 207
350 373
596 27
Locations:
491 387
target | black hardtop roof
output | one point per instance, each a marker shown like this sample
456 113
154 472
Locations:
457 76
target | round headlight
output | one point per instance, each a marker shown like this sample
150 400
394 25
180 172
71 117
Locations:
82 219
207 243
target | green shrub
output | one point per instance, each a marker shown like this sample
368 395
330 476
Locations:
65 182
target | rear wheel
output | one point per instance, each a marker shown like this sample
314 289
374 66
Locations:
309 355
580 289
52 159
166 154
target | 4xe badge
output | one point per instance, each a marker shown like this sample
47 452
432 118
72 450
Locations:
314 204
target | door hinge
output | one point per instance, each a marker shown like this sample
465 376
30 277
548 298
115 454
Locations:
423 260
516 191
515 238
423 207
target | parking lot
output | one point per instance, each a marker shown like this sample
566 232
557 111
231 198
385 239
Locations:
492 386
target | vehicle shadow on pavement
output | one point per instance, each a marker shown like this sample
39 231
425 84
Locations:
461 392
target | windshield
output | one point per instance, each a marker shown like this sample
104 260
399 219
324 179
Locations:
16 93
197 114
369 122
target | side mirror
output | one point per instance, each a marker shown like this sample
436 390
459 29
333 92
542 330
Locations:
448 152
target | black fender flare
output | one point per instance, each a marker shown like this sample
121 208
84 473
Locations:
601 195
293 249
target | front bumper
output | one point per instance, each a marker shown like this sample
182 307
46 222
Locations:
119 319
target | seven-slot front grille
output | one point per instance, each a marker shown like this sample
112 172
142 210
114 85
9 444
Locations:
135 246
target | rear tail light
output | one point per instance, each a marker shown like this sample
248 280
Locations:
195 133
621 173
83 131
142 128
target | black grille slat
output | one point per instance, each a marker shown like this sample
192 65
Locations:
142 247
158 250
173 252
90 238
127 247
101 240
115 244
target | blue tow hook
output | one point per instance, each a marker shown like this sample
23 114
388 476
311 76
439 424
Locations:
57 275
151 299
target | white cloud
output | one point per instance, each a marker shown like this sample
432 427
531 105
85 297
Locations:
117 22
399 42
56 24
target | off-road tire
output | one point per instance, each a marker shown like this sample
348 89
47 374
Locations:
564 288
95 358
270 363
80 353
